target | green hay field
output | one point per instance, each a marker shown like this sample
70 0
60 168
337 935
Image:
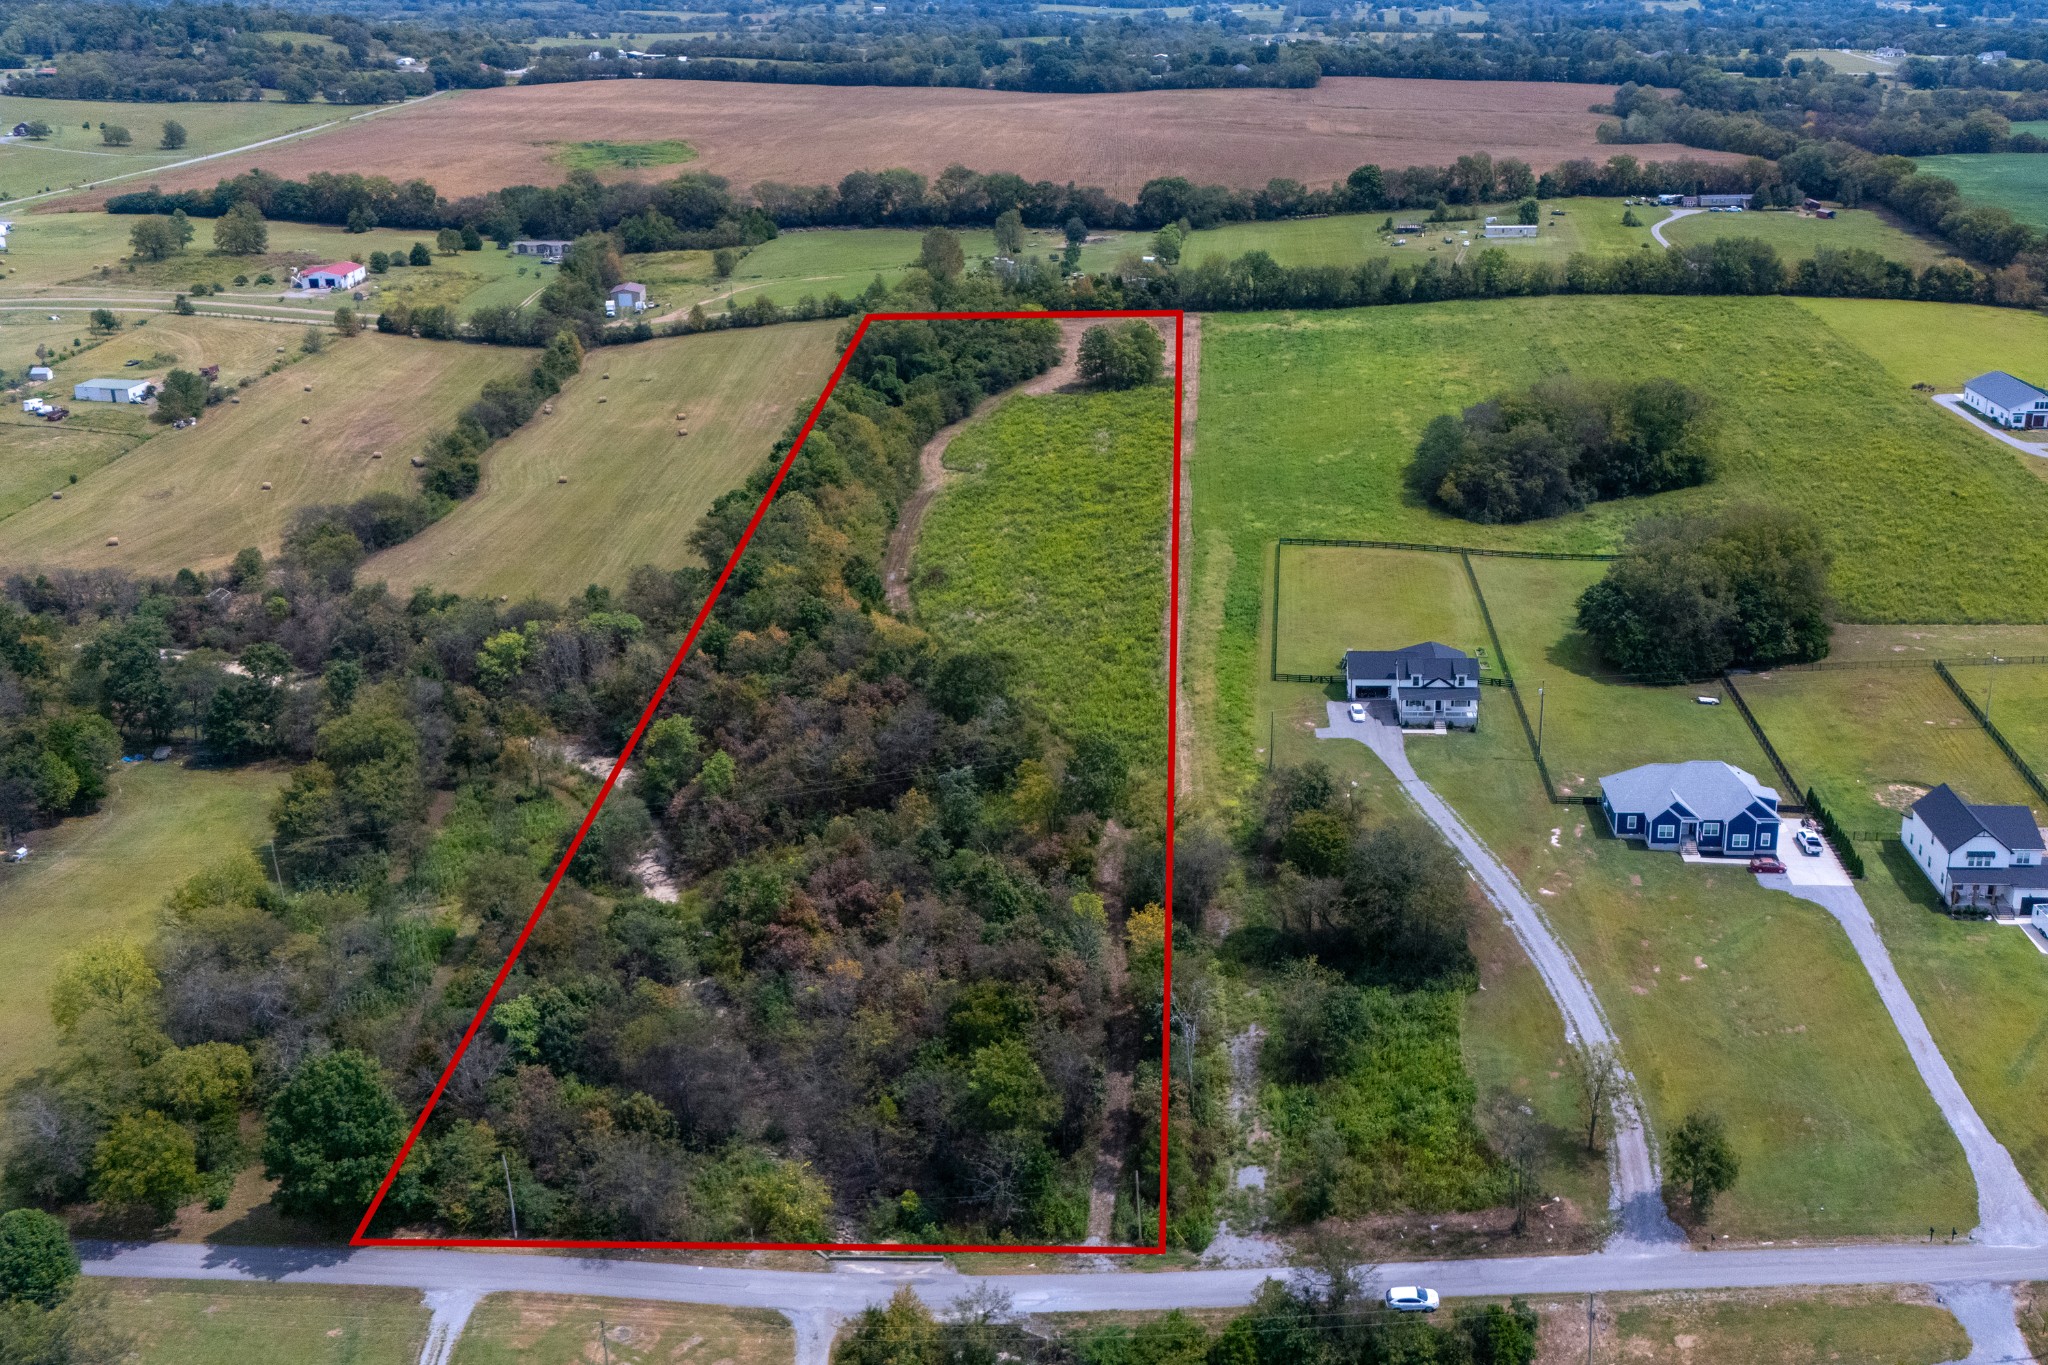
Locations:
1871 1327
1333 599
172 1322
2012 180
1797 236
1050 545
194 497
610 156
635 488
509 1328
109 873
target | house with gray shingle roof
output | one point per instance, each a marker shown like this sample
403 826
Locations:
1986 857
1428 683
2006 400
1714 807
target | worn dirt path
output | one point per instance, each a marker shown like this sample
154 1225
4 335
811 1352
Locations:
933 474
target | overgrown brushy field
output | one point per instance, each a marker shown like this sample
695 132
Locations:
635 488
1050 545
195 497
1309 420
182 1323
107 874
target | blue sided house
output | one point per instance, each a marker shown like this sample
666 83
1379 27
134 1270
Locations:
1712 807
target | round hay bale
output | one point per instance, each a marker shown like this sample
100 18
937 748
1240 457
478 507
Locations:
418 462
561 478
547 409
308 388
235 401
113 540
56 497
305 421
604 400
376 454
266 488
604 376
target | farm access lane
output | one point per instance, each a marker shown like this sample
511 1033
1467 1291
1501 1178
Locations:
1637 1189
2007 1211
1657 228
1954 403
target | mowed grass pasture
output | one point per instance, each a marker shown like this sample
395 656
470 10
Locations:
173 1322
193 498
1902 490
108 873
1783 1327
1798 235
510 1328
1050 544
2011 180
1336 598
636 489
74 154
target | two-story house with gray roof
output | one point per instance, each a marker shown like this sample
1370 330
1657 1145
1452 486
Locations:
1984 857
1428 683
1713 807
2006 400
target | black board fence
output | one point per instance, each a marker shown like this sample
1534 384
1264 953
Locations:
2020 766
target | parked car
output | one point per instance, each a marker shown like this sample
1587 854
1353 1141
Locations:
1764 862
1809 843
1705 700
19 855
1410 1298
1358 711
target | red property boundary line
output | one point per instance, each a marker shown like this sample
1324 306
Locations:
361 1237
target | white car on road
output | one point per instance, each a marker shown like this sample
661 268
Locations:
1409 1298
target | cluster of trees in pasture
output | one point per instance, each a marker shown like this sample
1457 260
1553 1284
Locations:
1692 596
1561 444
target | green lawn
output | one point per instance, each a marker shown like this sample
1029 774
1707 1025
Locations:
1350 238
173 1322
2012 180
1872 740
1733 999
74 154
1797 236
607 156
1334 598
1868 1327
1049 544
1942 344
108 874
1309 420
508 1328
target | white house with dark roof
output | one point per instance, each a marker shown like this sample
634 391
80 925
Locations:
1427 683
2006 400
1714 807
1986 857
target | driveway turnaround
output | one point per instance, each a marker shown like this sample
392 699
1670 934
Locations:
1954 403
2007 1212
1637 1193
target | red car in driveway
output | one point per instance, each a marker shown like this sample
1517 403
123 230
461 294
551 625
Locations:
1764 862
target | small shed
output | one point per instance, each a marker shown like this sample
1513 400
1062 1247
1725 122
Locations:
111 391
334 275
629 296
39 373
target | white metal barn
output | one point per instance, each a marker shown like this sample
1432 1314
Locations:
110 391
1511 229
2006 400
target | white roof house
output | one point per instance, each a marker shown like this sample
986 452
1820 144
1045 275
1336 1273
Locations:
111 391
1989 857
2006 400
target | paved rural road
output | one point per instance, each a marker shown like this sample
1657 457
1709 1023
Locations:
2007 1211
1954 403
1637 1193
1657 228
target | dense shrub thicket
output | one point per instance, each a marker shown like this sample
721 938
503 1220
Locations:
1746 588
1561 444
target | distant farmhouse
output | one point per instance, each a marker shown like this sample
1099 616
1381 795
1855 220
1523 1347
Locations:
1713 201
1427 683
550 251
2008 401
1511 229
1986 857
1713 807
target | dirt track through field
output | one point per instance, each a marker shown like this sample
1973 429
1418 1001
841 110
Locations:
472 141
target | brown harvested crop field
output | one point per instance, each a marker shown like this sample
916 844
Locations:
811 134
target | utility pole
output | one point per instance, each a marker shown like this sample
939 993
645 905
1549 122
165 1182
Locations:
1590 1328
604 1341
510 1202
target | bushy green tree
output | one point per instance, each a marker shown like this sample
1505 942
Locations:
174 135
941 254
329 1135
183 395
1699 1159
420 255
37 1263
1122 355
146 1162
241 231
154 238
114 135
